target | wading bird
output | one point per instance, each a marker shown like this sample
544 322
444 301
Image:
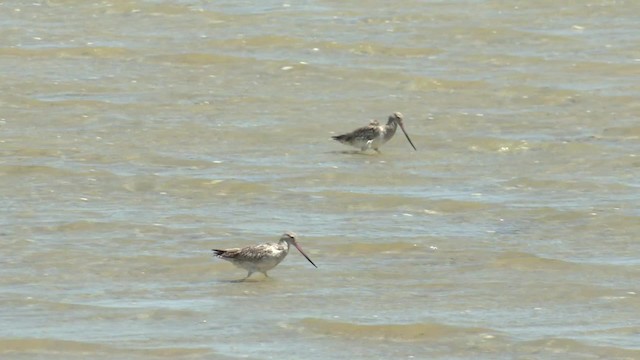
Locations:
263 257
374 135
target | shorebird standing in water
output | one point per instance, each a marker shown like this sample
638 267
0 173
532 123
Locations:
374 135
263 257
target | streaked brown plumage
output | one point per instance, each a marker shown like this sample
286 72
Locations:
262 257
373 136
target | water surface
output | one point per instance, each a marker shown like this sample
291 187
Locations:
138 135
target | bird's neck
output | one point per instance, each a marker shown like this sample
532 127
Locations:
391 126
285 243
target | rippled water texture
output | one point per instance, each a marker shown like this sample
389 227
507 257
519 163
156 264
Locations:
137 135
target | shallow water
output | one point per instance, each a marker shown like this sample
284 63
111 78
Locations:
138 135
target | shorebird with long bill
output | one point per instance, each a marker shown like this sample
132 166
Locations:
263 257
374 135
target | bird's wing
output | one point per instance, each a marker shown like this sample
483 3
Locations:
226 253
250 253
367 133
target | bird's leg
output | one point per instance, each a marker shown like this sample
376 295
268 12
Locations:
368 146
265 274
378 151
249 274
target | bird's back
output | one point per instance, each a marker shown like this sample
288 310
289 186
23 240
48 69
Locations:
361 137
258 257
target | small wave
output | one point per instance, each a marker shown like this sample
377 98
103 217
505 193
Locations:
571 348
61 52
144 183
550 184
526 261
405 201
88 226
50 346
54 347
392 332
496 145
220 187
31 170
359 249
199 59
626 132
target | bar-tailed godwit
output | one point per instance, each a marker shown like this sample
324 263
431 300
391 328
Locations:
263 257
374 135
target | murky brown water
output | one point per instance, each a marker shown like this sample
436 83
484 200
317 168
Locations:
137 135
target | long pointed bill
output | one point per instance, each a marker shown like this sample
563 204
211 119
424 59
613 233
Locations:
303 254
407 135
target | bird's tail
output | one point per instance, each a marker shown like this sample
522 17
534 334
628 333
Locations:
340 138
217 252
